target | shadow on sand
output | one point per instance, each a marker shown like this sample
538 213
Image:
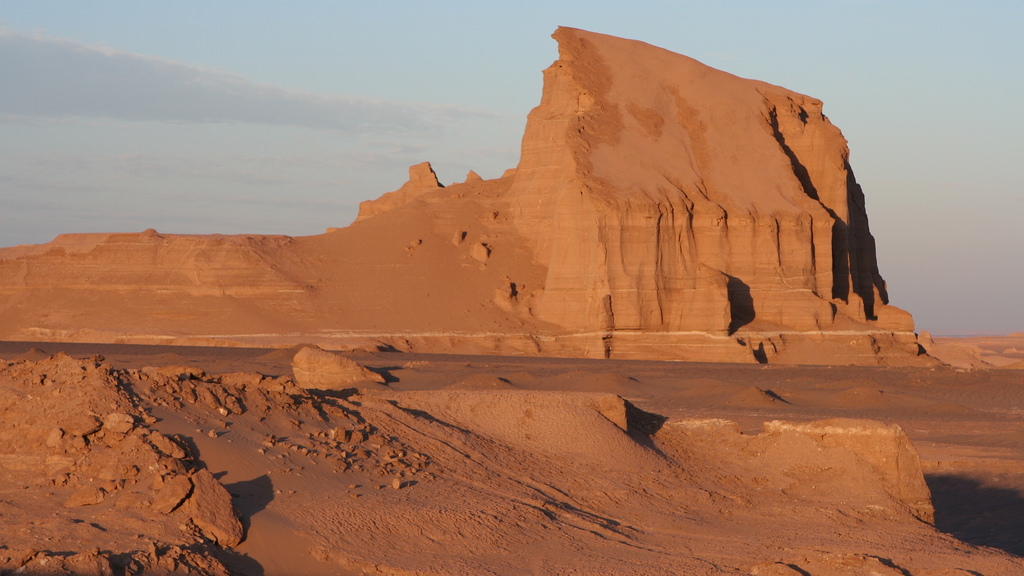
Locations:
249 496
978 514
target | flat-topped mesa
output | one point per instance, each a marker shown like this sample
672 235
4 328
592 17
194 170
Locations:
664 195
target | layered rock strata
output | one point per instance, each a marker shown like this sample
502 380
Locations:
661 209
664 195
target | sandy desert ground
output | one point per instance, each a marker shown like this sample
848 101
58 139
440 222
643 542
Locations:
497 465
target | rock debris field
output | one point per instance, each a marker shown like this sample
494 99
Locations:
134 460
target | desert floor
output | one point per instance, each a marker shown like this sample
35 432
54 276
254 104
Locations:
480 464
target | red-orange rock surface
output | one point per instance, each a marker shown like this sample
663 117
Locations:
662 194
661 208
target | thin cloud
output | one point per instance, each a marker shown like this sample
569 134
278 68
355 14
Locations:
51 78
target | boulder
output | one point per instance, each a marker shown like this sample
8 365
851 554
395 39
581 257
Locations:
171 493
88 496
82 424
211 510
885 447
118 423
315 367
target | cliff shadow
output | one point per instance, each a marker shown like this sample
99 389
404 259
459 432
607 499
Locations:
867 281
977 513
741 304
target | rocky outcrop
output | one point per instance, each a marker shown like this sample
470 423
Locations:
76 437
866 463
660 209
212 511
665 196
421 179
317 368
885 448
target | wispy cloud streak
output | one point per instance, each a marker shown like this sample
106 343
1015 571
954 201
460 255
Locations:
45 77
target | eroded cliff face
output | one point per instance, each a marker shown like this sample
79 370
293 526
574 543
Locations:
661 209
663 195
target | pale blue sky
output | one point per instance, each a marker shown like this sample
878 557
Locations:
274 117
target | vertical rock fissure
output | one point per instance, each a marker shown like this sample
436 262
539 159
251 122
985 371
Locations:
867 281
799 170
842 242
659 267
840 261
608 324
741 304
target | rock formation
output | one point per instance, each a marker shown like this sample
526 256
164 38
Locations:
885 448
661 208
421 179
73 429
323 370
664 195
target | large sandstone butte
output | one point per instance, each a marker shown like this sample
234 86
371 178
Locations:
661 208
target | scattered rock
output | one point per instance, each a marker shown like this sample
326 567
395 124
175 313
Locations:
53 440
480 252
89 496
167 445
174 491
317 368
82 424
175 372
11 560
241 379
212 511
118 423
92 563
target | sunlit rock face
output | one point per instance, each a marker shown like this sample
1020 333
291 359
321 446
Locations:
661 209
664 195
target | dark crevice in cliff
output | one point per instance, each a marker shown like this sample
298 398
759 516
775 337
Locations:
607 324
741 304
840 261
840 237
854 263
870 280
867 281
799 170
